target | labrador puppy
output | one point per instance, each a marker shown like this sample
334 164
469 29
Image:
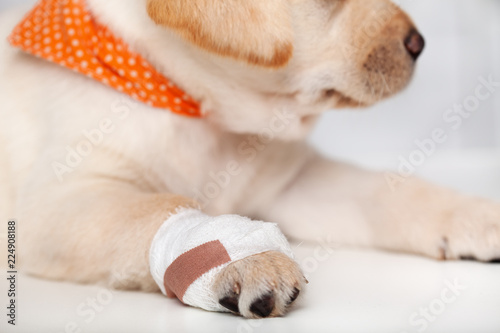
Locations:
112 187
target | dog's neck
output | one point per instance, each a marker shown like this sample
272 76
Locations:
219 84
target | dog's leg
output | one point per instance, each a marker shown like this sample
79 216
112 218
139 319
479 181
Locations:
101 231
93 233
337 203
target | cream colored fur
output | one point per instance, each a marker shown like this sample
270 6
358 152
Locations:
96 224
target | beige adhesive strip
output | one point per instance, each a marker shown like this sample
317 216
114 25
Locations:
191 265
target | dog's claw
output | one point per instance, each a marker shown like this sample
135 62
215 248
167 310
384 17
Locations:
237 288
263 306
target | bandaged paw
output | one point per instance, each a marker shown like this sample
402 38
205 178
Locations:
191 248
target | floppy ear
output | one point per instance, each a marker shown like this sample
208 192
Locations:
256 31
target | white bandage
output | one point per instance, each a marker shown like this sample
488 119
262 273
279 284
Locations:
187 236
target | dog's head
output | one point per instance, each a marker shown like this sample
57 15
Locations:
304 55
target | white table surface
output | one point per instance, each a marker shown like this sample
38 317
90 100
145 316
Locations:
349 291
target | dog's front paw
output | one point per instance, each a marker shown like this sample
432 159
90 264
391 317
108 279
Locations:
472 232
262 285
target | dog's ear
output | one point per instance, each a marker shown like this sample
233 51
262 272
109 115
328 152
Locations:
256 31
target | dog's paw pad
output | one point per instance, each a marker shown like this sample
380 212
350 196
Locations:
294 296
259 286
473 258
230 303
263 306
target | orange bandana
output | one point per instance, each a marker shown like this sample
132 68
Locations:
64 32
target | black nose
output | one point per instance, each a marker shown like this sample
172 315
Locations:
414 43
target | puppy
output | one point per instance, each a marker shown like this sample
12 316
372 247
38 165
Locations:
126 186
